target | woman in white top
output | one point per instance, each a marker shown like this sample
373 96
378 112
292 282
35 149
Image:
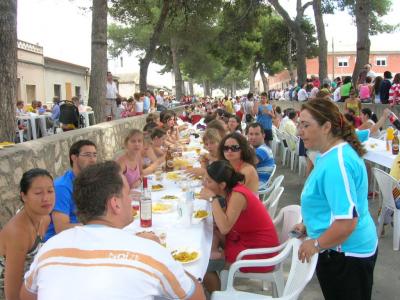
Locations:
139 98
369 119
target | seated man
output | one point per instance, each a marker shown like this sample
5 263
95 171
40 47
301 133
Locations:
100 260
81 154
264 157
290 125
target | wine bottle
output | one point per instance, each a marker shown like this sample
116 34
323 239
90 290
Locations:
145 206
395 144
169 162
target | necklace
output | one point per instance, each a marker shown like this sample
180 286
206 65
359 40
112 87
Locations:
33 224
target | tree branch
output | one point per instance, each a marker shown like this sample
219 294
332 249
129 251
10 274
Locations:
283 13
306 5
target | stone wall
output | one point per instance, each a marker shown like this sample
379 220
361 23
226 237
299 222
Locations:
51 153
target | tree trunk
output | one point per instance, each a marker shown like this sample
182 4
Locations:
209 88
191 89
154 39
298 35
98 76
322 42
177 70
264 78
8 69
234 88
362 11
290 61
252 77
301 56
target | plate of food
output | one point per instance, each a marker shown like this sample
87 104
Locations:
169 197
157 187
186 255
161 208
173 176
197 195
200 214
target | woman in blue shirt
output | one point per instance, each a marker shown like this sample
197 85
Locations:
335 206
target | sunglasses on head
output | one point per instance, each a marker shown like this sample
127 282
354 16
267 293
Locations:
233 148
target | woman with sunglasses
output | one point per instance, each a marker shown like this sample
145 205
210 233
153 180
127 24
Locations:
244 222
22 236
235 149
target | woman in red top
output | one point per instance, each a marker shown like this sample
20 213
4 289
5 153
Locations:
245 223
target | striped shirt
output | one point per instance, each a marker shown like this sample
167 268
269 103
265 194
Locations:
99 262
265 164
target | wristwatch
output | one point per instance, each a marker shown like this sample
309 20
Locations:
316 245
211 199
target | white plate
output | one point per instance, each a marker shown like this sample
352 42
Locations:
158 190
202 218
176 198
186 249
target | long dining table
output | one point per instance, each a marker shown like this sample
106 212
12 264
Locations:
182 232
377 153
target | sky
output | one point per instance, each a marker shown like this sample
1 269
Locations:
63 29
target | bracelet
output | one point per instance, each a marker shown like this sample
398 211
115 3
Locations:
211 199
316 245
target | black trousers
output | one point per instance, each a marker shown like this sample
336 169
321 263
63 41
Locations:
345 277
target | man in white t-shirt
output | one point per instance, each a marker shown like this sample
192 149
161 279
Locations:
110 105
161 105
100 260
302 94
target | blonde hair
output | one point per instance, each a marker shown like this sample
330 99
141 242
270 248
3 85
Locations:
131 133
212 135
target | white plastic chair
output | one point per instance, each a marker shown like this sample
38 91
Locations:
265 185
386 184
273 185
272 204
285 149
275 141
285 220
300 274
293 145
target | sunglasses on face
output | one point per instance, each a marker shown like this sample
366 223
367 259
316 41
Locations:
233 148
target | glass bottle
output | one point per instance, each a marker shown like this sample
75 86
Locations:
145 206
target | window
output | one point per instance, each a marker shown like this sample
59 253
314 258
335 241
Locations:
381 61
77 91
57 91
343 61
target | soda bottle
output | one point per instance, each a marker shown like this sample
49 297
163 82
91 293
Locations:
145 206
394 120
395 144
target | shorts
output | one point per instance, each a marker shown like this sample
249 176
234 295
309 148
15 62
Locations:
110 108
215 265
268 135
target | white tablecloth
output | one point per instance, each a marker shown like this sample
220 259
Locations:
377 153
197 236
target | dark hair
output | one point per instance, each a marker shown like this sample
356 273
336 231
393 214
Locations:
278 109
350 118
208 118
250 95
165 112
222 171
323 111
28 177
76 148
255 125
368 79
157 132
370 114
347 79
94 186
264 94
166 117
20 103
292 114
247 153
150 126
377 84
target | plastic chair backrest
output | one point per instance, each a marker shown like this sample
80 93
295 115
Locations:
277 181
300 273
292 142
270 177
287 217
274 203
386 184
69 113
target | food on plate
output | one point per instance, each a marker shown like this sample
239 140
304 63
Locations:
173 176
185 256
197 195
199 214
169 197
157 187
161 207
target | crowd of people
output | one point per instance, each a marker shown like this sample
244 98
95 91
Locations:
79 216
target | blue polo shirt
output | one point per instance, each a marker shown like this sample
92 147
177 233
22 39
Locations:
265 164
264 119
336 189
65 204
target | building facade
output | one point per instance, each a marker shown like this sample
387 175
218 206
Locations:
41 78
